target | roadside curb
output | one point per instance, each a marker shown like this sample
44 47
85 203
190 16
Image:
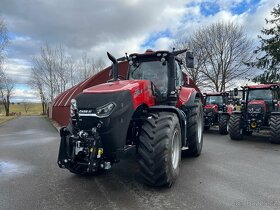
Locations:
54 124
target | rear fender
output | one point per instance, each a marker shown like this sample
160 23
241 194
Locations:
186 100
180 114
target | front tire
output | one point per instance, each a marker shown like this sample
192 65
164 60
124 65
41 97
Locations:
194 130
275 129
223 124
235 130
160 149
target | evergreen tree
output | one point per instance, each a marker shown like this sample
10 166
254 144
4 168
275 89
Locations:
269 49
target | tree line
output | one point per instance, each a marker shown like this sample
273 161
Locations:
54 71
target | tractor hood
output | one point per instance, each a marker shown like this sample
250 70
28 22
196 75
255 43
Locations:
211 106
256 105
257 102
116 86
139 90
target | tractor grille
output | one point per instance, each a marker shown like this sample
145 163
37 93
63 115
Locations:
209 111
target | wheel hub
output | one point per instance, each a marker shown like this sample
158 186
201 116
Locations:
175 149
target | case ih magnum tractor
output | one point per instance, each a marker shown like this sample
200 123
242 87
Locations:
217 111
260 110
150 110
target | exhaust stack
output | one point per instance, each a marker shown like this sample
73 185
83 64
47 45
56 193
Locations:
115 67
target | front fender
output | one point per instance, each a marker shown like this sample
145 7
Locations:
187 97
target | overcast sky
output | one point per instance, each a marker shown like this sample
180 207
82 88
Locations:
117 26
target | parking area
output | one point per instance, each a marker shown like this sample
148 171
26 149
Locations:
228 175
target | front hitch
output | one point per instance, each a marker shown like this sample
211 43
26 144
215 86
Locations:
81 152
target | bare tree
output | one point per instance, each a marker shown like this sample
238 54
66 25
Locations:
6 90
45 67
63 75
72 68
85 67
37 83
223 48
194 73
97 66
88 67
54 71
26 105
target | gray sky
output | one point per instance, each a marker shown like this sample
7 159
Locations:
117 26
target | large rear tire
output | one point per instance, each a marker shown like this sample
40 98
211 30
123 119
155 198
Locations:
275 129
235 130
223 124
195 130
160 149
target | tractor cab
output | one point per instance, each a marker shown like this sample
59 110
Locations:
260 101
259 110
218 100
163 69
261 98
217 110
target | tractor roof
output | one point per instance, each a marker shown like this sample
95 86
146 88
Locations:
159 53
150 52
261 86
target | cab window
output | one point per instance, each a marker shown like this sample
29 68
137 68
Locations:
179 74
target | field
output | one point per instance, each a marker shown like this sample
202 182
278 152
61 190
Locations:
31 109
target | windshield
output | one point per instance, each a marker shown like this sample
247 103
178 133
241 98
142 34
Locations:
214 100
260 94
154 71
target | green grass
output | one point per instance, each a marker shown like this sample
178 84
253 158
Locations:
35 109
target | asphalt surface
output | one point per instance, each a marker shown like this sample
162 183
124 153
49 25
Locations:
228 175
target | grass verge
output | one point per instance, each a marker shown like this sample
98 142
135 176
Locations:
4 119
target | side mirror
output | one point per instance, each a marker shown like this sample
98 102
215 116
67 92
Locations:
235 91
189 60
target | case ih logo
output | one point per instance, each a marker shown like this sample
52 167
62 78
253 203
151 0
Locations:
85 111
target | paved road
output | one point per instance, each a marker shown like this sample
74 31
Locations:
228 175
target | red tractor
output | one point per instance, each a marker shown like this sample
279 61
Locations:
217 110
151 109
260 109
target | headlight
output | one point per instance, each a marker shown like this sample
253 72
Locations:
106 110
73 107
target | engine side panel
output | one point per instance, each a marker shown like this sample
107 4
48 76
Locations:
140 90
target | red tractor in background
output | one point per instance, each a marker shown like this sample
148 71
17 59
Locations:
260 109
150 109
217 110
